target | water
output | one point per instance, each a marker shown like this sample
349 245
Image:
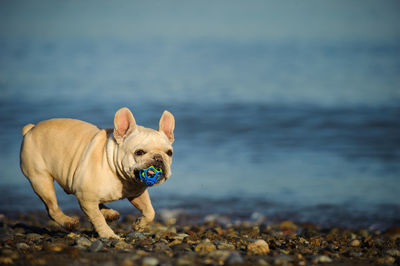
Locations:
291 130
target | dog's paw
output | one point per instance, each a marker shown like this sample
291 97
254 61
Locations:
71 223
140 224
108 234
110 214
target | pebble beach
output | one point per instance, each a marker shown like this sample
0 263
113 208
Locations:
33 239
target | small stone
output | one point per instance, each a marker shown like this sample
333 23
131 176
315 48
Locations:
22 246
134 236
54 247
205 247
181 236
259 247
150 261
6 260
262 262
355 243
355 254
122 245
393 252
386 260
33 236
322 259
220 256
73 235
288 225
234 258
160 246
184 262
283 260
225 246
96 246
83 242
183 247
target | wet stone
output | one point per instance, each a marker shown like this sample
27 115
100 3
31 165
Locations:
355 243
161 246
134 236
83 242
259 247
96 246
22 246
33 236
150 261
283 260
204 247
122 245
321 259
182 247
234 258
393 252
54 247
225 246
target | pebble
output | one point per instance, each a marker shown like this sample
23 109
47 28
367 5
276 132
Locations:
322 259
83 242
22 246
288 225
283 260
54 247
122 245
225 246
150 261
393 252
205 246
134 236
33 236
220 256
259 247
355 243
234 258
96 246
181 236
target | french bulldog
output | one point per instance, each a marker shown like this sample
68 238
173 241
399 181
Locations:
96 165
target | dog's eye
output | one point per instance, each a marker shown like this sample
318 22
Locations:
140 152
169 153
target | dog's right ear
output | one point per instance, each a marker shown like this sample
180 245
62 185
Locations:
124 124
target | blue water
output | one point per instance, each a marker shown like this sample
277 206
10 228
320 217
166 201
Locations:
293 130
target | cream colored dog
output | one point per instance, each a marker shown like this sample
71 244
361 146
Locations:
96 165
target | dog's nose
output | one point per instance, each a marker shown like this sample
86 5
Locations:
158 158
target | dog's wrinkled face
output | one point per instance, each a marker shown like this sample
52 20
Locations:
140 147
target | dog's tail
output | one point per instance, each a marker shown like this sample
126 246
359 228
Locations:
27 128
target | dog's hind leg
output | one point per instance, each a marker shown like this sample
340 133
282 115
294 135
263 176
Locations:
43 185
109 214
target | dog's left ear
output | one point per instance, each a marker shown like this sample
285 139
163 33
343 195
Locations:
167 125
124 124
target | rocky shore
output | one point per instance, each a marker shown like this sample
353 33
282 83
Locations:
31 239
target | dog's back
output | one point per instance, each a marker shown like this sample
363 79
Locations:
45 142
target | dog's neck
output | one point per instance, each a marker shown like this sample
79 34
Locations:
111 149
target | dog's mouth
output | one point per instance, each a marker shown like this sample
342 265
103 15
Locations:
151 174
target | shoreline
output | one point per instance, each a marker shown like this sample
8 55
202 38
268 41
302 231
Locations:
181 239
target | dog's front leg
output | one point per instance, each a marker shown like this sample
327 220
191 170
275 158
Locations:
143 204
91 209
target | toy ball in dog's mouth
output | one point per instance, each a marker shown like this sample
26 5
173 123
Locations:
150 175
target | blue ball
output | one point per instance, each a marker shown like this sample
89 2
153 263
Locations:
150 179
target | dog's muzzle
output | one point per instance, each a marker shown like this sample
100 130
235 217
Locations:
150 175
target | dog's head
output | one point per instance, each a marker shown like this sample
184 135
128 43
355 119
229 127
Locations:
139 147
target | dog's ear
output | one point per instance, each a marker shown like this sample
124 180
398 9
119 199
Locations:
167 125
124 124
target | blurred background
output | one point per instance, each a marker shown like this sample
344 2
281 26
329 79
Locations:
284 110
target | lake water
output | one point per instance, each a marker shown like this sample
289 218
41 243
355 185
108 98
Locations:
308 131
